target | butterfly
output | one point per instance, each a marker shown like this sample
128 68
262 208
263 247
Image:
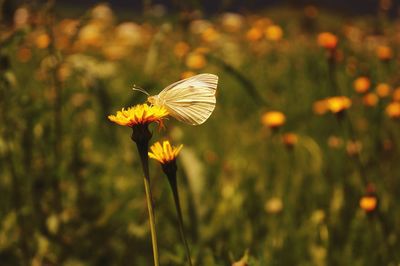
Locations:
190 100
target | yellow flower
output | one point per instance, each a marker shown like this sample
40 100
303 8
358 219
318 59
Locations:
362 84
368 203
384 52
187 74
196 61
42 40
370 99
274 33
232 22
393 110
338 104
320 107
273 119
327 40
273 205
181 49
139 115
383 90
254 34
290 139
164 153
396 95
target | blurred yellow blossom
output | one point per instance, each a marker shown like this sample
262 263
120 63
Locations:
103 13
164 153
210 35
273 205
327 40
384 52
21 17
361 84
393 110
383 90
231 22
42 40
187 74
254 34
338 104
128 34
196 61
290 139
273 119
24 54
274 33
368 203
181 49
320 107
396 95
139 114
370 99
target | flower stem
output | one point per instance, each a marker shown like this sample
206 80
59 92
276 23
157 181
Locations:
142 147
174 188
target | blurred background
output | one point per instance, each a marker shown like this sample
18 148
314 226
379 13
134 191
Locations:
298 164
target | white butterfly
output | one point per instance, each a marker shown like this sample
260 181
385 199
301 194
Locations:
190 100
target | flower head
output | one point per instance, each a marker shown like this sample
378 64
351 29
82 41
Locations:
369 202
338 104
384 52
139 115
327 40
164 153
393 110
362 84
273 119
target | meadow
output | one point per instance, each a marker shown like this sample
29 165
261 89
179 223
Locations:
297 165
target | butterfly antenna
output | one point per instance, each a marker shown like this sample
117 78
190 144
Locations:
136 88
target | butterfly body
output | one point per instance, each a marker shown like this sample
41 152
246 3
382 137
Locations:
190 100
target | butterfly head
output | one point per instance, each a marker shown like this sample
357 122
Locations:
153 100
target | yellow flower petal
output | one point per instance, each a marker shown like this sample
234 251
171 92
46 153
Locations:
164 153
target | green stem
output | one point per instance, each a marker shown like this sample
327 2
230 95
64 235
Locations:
142 149
174 188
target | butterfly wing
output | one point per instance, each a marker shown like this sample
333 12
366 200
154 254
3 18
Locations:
191 100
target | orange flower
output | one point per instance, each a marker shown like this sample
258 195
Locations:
368 203
254 34
209 35
274 33
338 104
393 110
273 119
396 95
187 74
361 84
139 115
196 61
232 22
327 40
24 54
290 139
273 205
181 49
384 52
383 90
320 107
42 41
370 99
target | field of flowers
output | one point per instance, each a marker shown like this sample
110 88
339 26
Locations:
297 165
